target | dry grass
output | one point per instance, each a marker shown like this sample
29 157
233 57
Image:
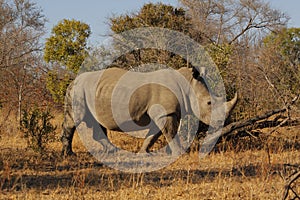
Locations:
246 174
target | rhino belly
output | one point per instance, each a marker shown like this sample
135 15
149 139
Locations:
125 124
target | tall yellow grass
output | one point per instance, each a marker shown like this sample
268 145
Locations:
226 174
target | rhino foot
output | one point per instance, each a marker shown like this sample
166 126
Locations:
143 151
111 149
178 152
108 147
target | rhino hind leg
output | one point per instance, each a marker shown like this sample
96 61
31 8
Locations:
151 137
100 135
68 126
169 126
67 136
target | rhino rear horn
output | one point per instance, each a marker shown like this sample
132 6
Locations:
202 71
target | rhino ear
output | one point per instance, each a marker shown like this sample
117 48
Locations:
202 71
196 73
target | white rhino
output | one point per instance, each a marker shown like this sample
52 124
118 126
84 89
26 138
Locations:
116 99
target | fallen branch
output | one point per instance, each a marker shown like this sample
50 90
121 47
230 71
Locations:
240 124
288 187
213 136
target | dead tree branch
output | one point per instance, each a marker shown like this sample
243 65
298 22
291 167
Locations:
213 136
240 124
288 186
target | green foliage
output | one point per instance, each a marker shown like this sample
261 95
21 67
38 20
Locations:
151 15
221 56
57 85
68 44
164 16
287 43
67 47
220 53
283 49
37 128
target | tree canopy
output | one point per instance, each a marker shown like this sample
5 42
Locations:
67 44
66 49
281 60
150 15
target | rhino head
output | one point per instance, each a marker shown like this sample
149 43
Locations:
208 108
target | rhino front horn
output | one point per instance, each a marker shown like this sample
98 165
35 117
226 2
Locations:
231 104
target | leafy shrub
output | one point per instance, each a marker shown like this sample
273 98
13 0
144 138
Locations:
37 128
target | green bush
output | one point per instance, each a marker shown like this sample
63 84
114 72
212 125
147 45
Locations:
37 128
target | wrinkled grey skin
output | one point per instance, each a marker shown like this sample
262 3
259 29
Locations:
116 99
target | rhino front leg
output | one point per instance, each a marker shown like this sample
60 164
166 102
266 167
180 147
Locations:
170 124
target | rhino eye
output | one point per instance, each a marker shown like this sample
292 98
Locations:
209 103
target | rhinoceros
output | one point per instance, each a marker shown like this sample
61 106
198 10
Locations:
120 100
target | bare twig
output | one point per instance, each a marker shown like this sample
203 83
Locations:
279 125
288 187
